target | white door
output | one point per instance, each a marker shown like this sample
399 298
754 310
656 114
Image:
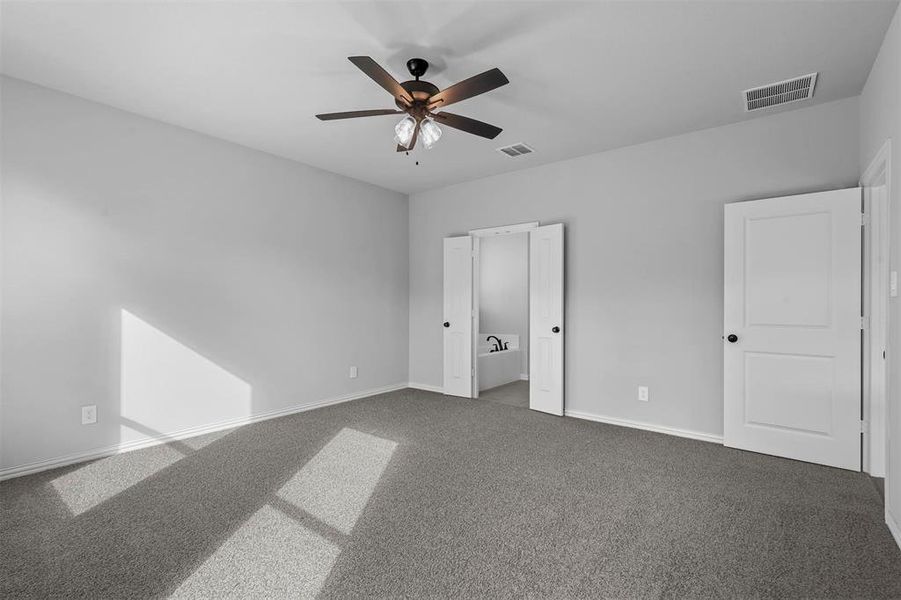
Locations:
792 327
546 319
458 310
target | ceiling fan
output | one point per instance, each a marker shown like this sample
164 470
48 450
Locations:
420 100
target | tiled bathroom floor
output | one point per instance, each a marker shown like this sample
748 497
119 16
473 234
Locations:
511 394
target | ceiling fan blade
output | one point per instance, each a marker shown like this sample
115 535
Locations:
381 77
357 113
478 84
468 125
412 140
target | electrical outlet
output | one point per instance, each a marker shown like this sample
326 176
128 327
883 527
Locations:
89 414
643 393
353 372
893 284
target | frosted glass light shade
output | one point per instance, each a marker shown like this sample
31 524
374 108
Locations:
429 132
403 131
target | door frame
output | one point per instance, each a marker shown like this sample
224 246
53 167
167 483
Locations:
477 234
876 239
504 229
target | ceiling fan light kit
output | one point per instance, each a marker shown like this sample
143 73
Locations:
420 100
429 133
403 131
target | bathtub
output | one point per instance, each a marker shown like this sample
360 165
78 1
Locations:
501 366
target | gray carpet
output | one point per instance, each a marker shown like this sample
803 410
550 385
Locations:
412 494
879 482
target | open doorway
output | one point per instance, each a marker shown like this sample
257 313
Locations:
511 349
502 342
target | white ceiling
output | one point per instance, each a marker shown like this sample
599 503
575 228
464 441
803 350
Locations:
584 77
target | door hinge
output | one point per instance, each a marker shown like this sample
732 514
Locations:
864 427
864 219
865 323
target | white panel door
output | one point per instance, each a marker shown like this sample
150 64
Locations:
792 327
546 319
458 335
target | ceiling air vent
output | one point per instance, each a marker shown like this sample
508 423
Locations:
782 92
516 150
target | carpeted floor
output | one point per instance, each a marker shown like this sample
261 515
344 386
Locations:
879 482
412 494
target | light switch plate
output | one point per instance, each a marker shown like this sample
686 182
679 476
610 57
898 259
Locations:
353 372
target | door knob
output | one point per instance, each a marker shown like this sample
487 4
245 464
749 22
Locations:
447 324
555 329
732 338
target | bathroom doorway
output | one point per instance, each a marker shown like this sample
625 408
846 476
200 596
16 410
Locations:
503 324
502 343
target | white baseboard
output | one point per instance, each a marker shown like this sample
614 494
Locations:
875 472
62 461
426 387
893 527
685 433
523 376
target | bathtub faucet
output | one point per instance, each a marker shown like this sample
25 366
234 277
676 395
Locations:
497 344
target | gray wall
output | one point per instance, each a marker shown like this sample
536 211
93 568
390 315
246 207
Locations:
504 289
880 119
644 253
268 276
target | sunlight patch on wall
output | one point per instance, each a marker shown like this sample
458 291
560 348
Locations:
270 556
96 482
167 387
336 484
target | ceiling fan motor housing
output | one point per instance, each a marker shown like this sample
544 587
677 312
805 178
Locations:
421 91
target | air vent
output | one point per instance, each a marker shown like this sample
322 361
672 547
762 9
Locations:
516 150
782 92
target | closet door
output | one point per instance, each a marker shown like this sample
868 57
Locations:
546 319
458 311
792 327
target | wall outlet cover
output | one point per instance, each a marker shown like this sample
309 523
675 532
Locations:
89 414
643 394
353 372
